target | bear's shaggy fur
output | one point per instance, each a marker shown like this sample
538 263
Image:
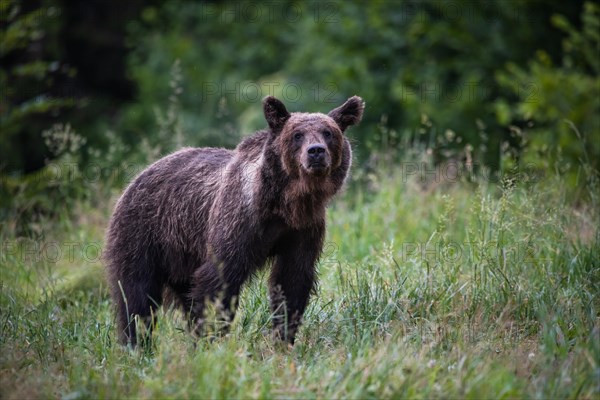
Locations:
201 221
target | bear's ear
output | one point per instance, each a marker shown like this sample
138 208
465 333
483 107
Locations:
349 113
275 113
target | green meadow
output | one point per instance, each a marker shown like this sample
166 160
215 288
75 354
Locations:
451 286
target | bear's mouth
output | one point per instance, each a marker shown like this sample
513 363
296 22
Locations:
317 168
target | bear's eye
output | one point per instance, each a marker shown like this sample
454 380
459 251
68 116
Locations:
326 134
298 136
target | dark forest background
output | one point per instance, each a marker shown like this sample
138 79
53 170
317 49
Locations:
501 84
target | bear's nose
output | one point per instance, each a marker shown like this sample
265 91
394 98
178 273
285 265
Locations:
316 150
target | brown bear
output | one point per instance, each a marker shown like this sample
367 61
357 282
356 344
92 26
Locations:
201 221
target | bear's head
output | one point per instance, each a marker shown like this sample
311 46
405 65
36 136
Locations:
311 145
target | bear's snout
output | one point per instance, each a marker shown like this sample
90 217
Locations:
316 152
317 159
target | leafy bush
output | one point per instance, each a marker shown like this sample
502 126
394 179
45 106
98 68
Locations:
562 102
406 59
31 78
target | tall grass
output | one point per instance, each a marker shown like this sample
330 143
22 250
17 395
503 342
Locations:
467 289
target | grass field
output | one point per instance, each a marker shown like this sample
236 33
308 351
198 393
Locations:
445 290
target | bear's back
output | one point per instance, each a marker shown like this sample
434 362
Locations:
167 204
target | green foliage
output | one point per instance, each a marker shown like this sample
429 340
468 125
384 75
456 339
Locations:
27 95
75 173
449 62
561 102
451 76
28 201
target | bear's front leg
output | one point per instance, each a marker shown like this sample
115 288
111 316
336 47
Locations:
292 279
217 283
